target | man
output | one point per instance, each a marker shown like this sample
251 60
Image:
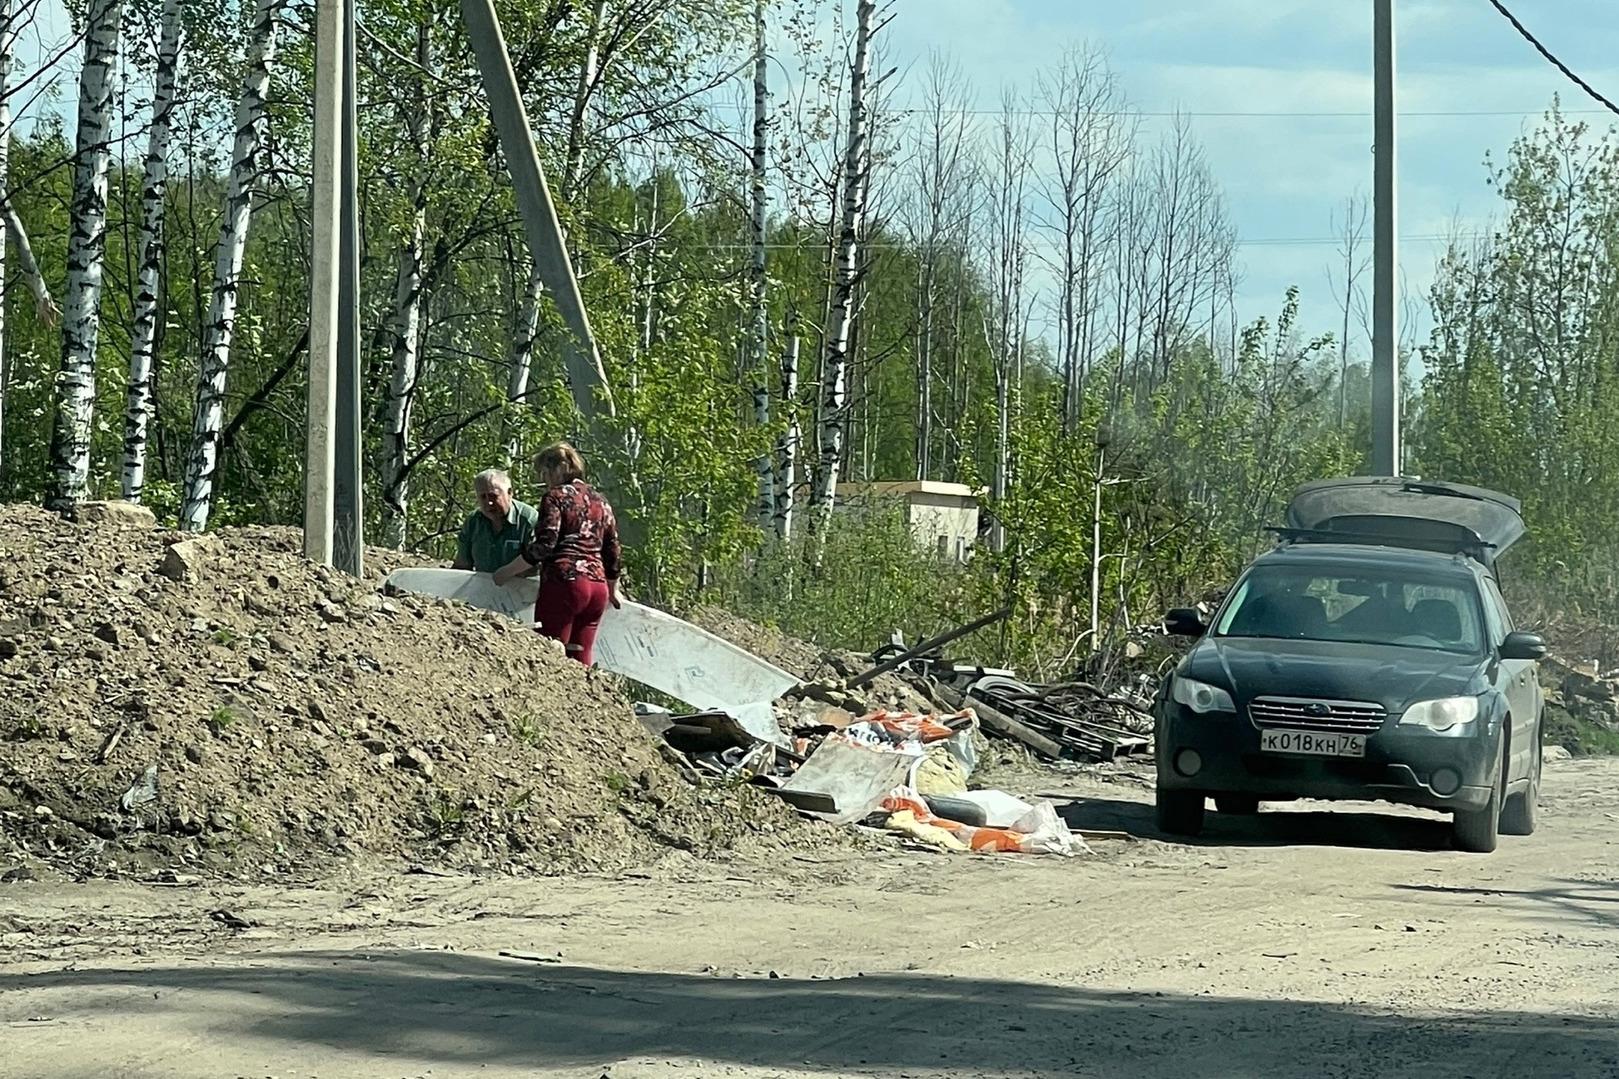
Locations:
499 529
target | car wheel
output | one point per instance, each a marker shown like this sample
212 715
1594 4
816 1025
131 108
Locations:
1476 830
1236 805
1518 816
1180 812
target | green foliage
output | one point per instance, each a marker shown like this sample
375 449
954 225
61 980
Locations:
1522 384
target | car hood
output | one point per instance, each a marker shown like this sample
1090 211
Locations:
1392 676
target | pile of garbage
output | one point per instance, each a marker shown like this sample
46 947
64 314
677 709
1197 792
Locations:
894 741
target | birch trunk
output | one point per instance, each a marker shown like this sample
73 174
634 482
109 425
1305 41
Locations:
75 395
154 190
788 442
202 462
7 39
522 358
758 362
406 329
835 382
586 88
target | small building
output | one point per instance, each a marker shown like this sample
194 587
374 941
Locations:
943 516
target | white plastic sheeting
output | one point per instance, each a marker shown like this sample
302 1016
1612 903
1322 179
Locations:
656 649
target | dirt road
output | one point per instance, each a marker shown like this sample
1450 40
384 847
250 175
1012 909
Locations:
1299 943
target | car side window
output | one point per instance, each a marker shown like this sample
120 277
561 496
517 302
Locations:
1497 601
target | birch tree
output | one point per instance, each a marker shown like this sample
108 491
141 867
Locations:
407 315
202 463
1008 172
75 394
1091 137
759 207
941 165
1347 289
148 307
835 365
787 445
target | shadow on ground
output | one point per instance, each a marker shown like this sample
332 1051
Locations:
1279 827
1568 902
458 1011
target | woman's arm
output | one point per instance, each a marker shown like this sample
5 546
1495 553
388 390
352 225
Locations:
541 544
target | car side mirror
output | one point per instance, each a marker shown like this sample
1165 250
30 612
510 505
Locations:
1531 646
1185 622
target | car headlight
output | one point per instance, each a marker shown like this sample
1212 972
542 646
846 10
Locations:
1201 697
1441 715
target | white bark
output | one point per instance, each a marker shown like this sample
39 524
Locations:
44 305
75 395
1091 139
7 40
522 359
1009 244
758 362
834 390
788 442
406 328
202 463
154 189
588 75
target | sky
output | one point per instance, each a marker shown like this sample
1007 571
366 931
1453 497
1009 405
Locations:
1467 84
1279 92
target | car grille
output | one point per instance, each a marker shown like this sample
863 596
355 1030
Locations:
1353 717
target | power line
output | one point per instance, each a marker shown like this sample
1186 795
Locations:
1244 114
1554 61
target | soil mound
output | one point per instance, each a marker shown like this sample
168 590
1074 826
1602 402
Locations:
218 705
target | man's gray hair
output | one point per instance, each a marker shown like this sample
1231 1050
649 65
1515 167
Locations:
491 477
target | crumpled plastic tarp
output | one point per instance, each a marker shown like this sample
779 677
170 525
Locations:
1040 831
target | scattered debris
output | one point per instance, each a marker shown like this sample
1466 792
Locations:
143 791
226 918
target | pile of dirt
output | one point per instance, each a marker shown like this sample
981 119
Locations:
219 705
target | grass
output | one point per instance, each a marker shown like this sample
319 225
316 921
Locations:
446 815
225 636
30 728
221 719
528 732
617 782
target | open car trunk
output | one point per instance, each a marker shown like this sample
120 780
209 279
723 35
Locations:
1397 512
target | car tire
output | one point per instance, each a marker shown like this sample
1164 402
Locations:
1236 805
1180 812
1476 830
1518 815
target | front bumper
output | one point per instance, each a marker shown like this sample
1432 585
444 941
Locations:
1399 766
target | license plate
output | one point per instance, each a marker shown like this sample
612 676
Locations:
1312 743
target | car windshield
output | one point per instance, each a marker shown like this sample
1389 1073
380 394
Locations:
1319 603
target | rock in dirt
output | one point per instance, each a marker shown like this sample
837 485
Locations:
183 562
416 760
116 512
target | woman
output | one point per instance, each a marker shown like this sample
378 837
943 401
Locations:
576 546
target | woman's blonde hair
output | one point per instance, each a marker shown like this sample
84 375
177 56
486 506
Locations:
559 463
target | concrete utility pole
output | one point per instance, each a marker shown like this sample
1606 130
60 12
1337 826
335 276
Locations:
323 287
540 225
348 541
1385 329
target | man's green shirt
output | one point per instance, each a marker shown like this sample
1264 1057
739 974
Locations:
488 549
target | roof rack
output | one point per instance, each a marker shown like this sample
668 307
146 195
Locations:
1473 547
